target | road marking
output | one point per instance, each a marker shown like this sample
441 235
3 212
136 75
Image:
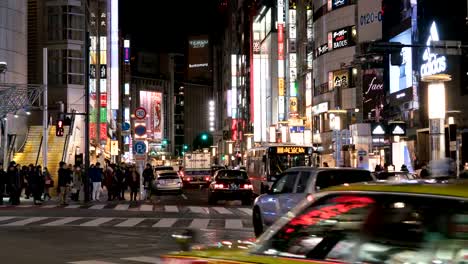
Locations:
5 218
221 210
122 207
171 208
144 259
183 196
73 206
62 221
97 221
26 221
24 206
131 222
199 223
233 224
97 206
199 210
49 206
245 210
146 207
92 262
165 222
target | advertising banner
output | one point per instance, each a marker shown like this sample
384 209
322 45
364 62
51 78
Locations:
152 102
401 77
369 20
373 93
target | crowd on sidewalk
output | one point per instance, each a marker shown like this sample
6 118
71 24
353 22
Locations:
36 183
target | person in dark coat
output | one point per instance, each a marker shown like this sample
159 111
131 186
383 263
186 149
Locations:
14 183
64 182
3 183
134 183
37 184
148 177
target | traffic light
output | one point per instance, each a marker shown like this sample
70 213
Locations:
185 147
59 131
164 142
204 137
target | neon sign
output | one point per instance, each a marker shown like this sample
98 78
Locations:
434 63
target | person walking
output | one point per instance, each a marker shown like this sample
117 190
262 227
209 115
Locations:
134 183
14 184
108 182
3 182
64 182
36 184
148 177
95 175
48 183
77 183
122 184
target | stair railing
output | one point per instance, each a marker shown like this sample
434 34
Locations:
39 151
25 140
68 136
11 146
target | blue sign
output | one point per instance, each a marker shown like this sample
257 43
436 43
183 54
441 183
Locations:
296 129
140 130
139 147
126 126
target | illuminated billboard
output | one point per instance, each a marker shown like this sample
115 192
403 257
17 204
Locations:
153 103
199 58
401 77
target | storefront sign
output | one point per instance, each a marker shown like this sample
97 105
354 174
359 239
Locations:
432 62
373 93
343 37
397 129
320 108
378 129
341 78
322 49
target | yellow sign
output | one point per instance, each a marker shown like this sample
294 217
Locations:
114 148
281 86
293 105
291 150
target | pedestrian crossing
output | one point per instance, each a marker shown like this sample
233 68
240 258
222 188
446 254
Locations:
121 222
220 210
129 260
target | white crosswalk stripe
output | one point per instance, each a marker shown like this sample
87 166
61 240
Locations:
144 259
222 210
166 222
49 206
97 222
247 211
62 221
73 206
97 206
199 223
199 210
131 222
25 206
6 218
122 207
26 221
233 224
92 262
146 207
171 209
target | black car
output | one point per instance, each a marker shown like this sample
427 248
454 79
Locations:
230 185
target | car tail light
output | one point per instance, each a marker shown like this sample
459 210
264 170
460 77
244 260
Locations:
247 186
219 186
188 179
207 178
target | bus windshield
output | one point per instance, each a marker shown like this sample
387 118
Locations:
279 163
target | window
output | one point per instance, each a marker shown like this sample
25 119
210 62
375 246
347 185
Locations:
329 178
301 185
231 175
286 183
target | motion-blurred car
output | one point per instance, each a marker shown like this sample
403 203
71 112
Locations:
294 185
230 185
396 176
167 181
365 223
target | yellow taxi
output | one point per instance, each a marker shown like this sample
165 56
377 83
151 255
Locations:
366 223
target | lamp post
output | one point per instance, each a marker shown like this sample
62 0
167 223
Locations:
436 113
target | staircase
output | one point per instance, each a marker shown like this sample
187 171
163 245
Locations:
33 146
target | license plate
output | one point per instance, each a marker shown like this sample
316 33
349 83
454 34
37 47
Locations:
233 187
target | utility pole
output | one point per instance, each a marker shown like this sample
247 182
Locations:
45 119
86 117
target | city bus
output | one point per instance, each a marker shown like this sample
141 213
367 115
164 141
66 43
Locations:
265 163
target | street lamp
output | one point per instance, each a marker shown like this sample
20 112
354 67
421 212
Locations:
436 113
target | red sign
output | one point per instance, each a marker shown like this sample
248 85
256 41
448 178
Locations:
280 42
103 100
140 113
92 131
103 131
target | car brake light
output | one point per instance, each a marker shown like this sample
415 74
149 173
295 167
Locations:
188 179
207 178
219 186
248 186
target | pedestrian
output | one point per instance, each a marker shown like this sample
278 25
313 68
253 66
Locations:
36 184
121 183
77 183
108 182
95 175
424 173
64 182
14 184
24 177
148 177
48 183
134 177
325 164
404 168
3 182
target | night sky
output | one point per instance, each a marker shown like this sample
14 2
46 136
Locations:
163 26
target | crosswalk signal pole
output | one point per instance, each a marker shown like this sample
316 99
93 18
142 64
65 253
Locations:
44 110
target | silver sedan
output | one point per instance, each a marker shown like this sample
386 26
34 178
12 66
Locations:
167 181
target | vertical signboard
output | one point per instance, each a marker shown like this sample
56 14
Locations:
234 74
114 54
153 103
103 89
292 64
281 74
373 93
93 107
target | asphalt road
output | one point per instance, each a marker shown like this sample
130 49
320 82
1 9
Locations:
115 232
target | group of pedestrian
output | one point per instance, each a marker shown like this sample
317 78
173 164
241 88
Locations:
32 180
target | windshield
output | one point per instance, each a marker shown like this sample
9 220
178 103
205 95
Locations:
374 229
168 176
280 163
231 175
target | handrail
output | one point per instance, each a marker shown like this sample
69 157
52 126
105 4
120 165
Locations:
25 140
11 145
39 151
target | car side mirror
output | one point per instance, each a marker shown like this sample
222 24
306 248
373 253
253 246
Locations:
185 238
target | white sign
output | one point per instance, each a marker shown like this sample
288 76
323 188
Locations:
198 65
320 108
197 44
378 130
398 131
374 86
140 113
433 63
370 20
